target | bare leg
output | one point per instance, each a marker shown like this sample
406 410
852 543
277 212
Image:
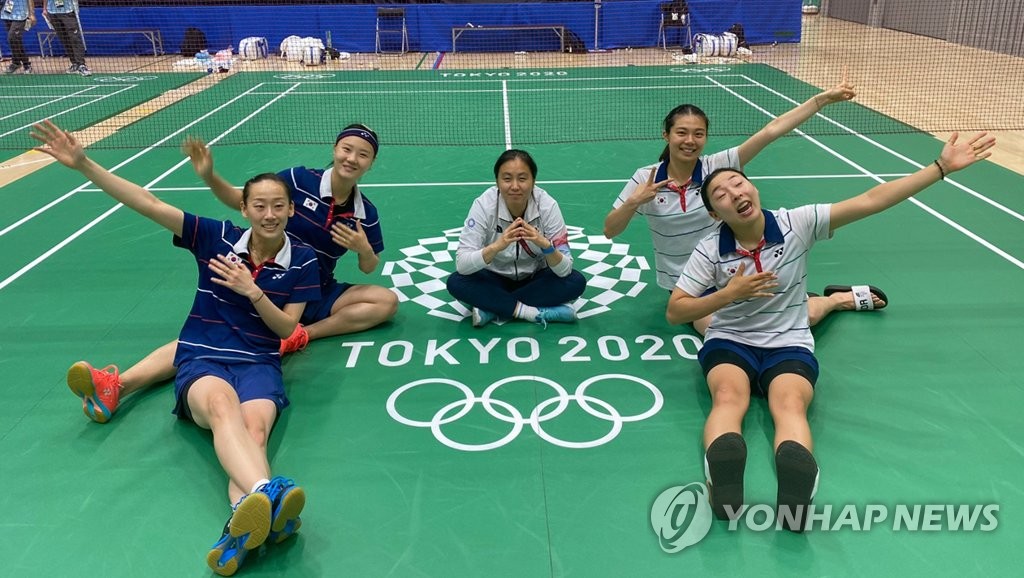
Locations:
156 367
258 426
215 406
730 398
789 395
819 307
358 309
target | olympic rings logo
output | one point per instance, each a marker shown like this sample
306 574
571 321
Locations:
710 70
311 76
544 411
123 78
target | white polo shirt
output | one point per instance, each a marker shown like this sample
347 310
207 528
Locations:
677 222
778 321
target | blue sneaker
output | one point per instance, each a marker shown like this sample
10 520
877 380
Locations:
557 314
482 317
246 530
287 501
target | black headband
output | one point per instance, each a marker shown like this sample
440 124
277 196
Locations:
361 133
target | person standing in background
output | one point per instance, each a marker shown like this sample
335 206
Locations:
18 16
62 16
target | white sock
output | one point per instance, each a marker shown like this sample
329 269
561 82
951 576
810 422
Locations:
257 485
527 312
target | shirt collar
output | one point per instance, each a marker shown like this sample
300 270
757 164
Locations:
326 195
696 179
772 235
283 259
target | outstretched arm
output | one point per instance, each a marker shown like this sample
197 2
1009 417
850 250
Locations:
955 156
783 124
202 163
63 146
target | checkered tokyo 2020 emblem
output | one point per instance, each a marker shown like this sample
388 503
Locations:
612 273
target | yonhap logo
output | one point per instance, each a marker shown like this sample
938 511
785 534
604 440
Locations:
681 516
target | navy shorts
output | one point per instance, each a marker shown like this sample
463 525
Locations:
249 380
761 364
319 310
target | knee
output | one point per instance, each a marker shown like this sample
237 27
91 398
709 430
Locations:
578 282
221 406
390 303
730 396
790 404
259 433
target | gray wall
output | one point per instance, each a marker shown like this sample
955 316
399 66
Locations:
996 25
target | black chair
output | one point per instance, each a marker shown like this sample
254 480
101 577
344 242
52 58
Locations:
391 23
675 15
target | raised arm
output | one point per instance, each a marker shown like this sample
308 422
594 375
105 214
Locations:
783 124
202 163
955 156
63 146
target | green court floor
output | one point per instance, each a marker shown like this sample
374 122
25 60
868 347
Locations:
916 405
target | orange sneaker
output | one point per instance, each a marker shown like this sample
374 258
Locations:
297 341
100 389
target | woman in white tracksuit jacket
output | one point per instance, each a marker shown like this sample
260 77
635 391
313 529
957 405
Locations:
513 259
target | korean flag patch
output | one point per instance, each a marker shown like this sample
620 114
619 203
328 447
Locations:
234 259
310 204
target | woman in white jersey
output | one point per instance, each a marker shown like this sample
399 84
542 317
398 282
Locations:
513 260
759 340
667 193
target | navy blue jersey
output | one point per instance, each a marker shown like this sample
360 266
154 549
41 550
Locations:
315 211
224 325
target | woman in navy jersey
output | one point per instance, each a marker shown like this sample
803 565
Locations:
332 216
253 286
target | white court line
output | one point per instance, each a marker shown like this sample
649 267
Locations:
541 183
970 234
503 89
82 187
508 120
111 211
910 161
50 97
24 110
63 112
24 86
48 159
185 160
507 76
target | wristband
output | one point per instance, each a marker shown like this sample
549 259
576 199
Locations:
262 295
549 250
941 172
